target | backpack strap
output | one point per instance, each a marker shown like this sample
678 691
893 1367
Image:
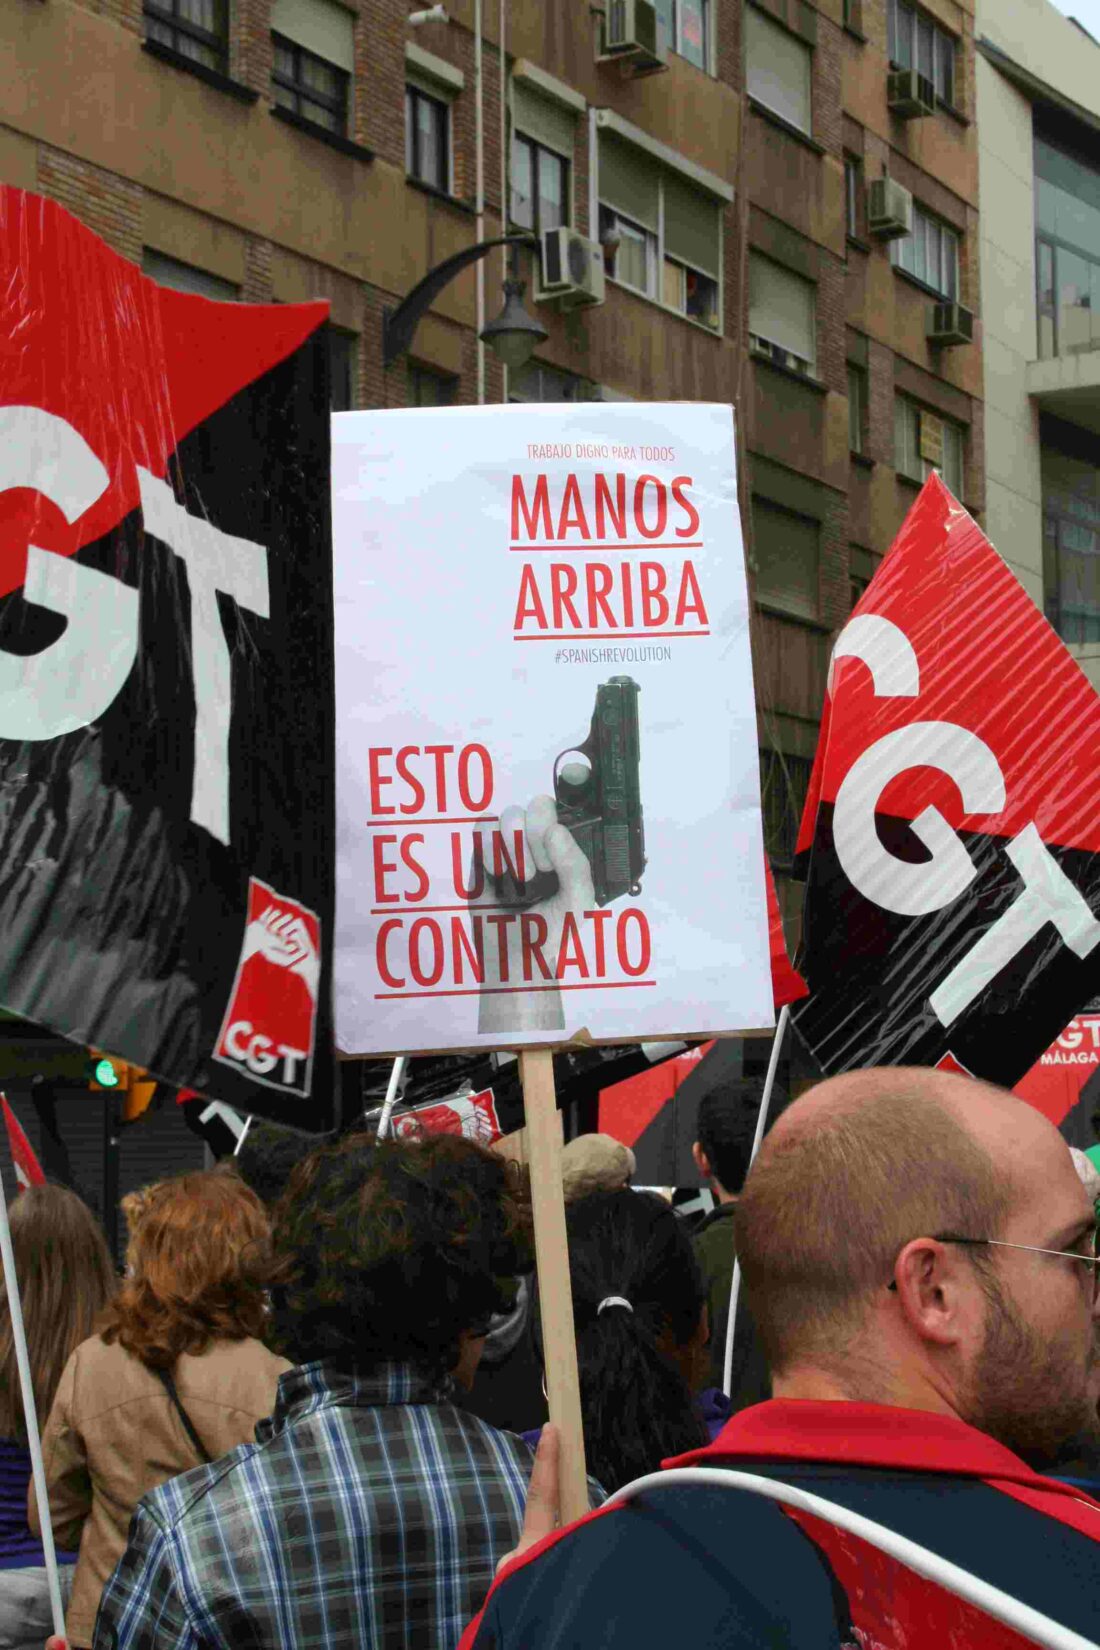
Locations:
169 1386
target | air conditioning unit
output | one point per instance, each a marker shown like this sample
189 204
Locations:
889 210
910 95
630 35
950 324
571 269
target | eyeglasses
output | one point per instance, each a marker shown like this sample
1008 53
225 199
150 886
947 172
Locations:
1092 1260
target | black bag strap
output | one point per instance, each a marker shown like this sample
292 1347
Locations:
188 1425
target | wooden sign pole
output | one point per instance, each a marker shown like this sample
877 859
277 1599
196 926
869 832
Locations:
555 1291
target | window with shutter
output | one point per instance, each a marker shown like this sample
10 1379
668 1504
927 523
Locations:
186 278
313 61
781 314
786 549
664 232
778 67
915 41
917 450
195 29
543 135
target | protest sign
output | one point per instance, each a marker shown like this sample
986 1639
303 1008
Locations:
548 809
165 671
951 827
473 1116
548 793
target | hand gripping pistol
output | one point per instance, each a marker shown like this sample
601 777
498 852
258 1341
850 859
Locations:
598 793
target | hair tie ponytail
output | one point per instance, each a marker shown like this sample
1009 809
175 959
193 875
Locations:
614 1300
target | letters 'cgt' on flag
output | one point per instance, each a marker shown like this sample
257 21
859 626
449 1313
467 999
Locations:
166 713
951 834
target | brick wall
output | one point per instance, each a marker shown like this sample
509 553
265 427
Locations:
835 585
832 311
108 204
127 13
380 76
250 51
113 206
826 89
728 45
257 272
879 434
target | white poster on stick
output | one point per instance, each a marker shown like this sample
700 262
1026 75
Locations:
548 806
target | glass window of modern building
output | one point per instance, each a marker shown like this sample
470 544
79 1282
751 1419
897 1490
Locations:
1067 250
1071 529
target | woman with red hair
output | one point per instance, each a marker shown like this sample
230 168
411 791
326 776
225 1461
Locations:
176 1376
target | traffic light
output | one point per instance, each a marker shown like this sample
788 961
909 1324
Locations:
135 1089
106 1073
139 1094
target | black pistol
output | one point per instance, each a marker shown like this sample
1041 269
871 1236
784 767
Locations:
598 792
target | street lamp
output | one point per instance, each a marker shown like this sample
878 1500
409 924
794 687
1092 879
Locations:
513 335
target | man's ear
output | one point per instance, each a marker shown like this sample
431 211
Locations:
935 1291
699 1157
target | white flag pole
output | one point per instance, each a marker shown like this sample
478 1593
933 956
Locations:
243 1136
761 1124
34 1443
396 1076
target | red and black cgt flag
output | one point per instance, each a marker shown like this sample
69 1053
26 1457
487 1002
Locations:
28 1170
166 732
953 821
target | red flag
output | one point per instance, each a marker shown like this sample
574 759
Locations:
788 986
28 1170
952 825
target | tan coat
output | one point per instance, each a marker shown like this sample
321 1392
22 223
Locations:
113 1435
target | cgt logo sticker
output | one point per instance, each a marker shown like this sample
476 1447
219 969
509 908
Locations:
269 1026
473 1116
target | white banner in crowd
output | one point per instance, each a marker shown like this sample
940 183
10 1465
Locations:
548 806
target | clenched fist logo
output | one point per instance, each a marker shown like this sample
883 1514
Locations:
283 938
268 1029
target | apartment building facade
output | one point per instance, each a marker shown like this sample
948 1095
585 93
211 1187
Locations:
781 197
1038 82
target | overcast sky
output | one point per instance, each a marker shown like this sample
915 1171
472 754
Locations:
1085 11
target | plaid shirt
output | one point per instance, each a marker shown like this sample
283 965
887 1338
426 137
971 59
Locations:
369 1512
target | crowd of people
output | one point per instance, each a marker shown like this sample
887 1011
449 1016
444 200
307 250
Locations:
312 1412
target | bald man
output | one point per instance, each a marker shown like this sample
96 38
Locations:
919 1255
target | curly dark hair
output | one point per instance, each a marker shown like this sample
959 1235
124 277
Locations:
392 1251
268 1156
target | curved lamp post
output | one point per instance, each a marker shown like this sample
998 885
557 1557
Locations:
513 336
